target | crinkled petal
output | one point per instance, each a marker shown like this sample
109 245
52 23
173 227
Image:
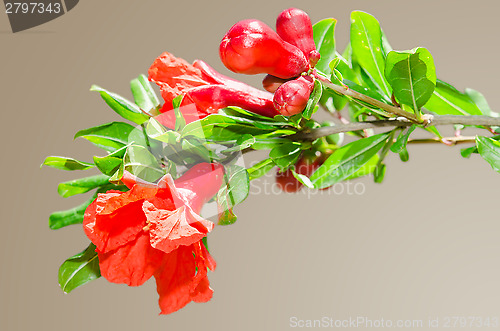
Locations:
182 279
110 231
171 229
174 76
132 264
136 194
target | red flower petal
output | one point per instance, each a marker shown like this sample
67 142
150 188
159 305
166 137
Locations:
182 279
132 264
174 76
110 231
169 230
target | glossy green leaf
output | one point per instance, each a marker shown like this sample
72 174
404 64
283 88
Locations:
243 142
222 127
400 143
82 185
489 149
286 154
110 136
144 95
260 169
158 132
121 106
366 43
311 106
66 163
139 161
180 122
108 165
79 269
347 160
60 219
447 100
412 76
71 216
197 148
324 39
234 191
480 101
404 156
303 179
366 169
467 152
237 112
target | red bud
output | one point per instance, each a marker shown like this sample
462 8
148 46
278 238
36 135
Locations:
252 47
212 97
271 83
291 97
294 26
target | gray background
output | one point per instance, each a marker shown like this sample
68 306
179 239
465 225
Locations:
422 245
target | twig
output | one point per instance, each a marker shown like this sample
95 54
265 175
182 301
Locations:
314 134
344 90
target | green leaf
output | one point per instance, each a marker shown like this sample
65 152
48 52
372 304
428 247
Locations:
286 154
347 160
66 163
467 152
324 39
404 156
245 114
144 95
303 179
489 149
108 165
480 101
260 169
140 162
82 185
71 216
79 269
447 100
197 148
313 100
235 190
121 106
412 76
400 143
110 136
243 142
180 122
226 217
366 169
366 43
222 127
379 173
158 132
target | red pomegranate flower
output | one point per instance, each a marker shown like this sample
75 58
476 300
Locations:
205 90
155 230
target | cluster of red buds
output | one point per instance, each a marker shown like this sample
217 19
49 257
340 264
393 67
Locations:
287 56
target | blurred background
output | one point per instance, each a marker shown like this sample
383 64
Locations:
422 245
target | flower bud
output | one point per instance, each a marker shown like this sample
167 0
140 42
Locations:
294 26
214 97
271 83
291 97
252 47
